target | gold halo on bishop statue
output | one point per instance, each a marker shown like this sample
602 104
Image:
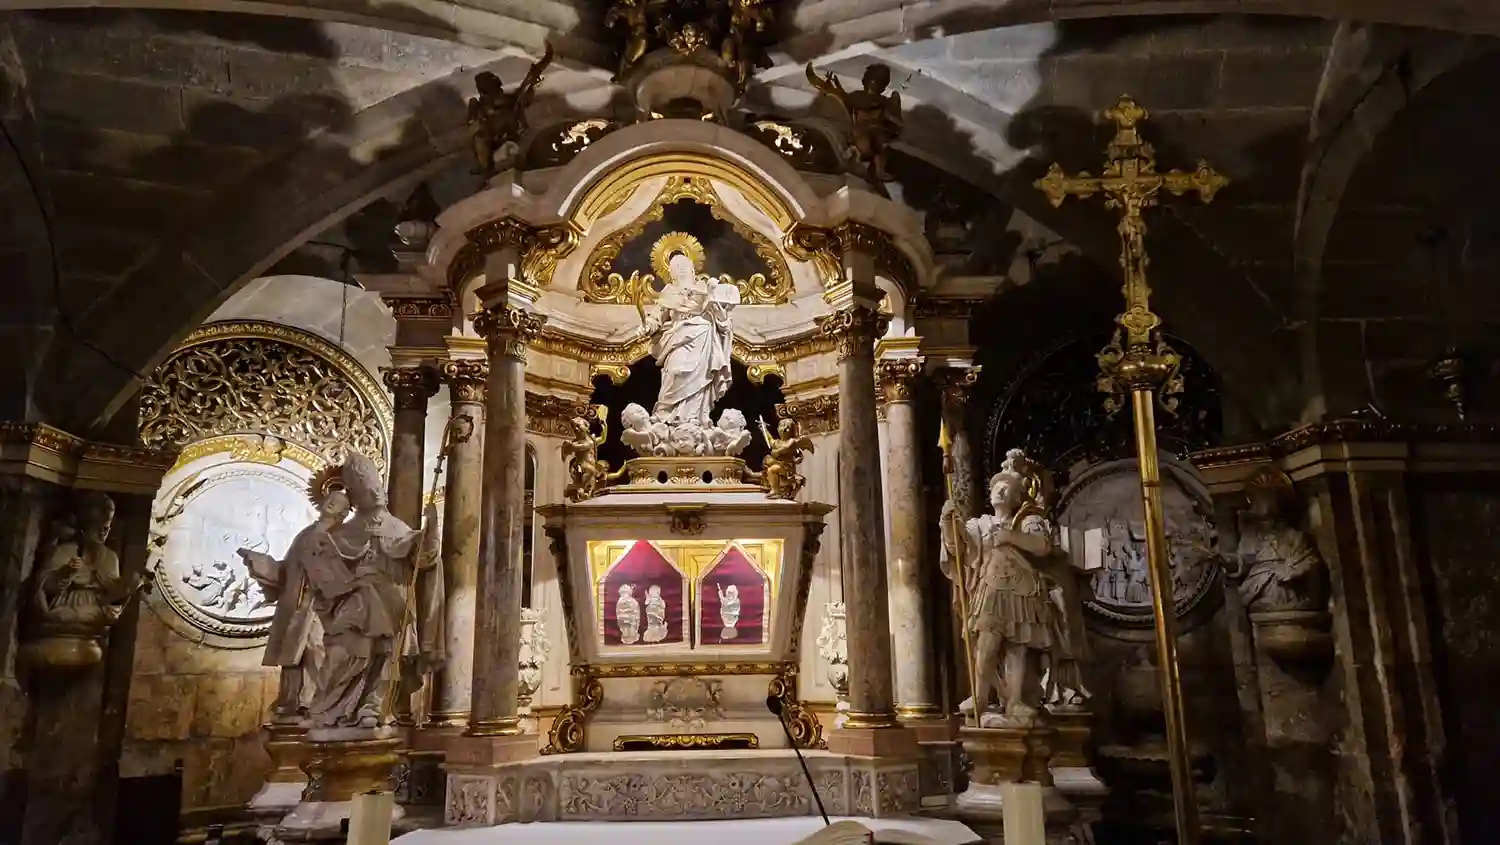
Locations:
671 244
323 482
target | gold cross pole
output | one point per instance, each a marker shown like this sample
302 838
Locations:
1138 362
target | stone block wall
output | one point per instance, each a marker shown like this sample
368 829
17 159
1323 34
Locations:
202 705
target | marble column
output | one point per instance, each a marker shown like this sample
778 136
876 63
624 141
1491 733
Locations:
860 510
957 387
461 510
915 698
956 384
411 387
497 633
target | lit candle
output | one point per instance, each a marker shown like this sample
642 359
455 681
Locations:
370 818
1021 808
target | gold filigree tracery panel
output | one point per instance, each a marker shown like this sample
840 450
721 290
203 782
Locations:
264 378
600 283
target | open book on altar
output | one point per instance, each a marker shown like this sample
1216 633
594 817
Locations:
854 833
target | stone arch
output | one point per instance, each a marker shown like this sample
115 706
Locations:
245 231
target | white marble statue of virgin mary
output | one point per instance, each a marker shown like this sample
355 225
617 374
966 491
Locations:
692 340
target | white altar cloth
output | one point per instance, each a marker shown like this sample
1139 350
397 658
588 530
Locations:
784 831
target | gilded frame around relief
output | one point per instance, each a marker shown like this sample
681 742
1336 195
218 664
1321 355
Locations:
255 377
600 284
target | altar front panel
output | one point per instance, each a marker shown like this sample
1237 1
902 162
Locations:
709 598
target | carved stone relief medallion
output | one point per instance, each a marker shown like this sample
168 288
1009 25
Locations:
1107 498
209 507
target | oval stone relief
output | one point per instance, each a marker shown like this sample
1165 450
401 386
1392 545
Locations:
1107 497
208 510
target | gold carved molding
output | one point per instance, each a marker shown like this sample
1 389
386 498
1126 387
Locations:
826 247
39 451
600 198
814 415
854 330
600 283
686 742
553 416
251 377
569 730
1348 431
540 249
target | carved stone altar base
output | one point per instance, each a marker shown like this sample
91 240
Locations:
340 763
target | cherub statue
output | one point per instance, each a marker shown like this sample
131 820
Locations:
587 474
646 436
730 436
876 117
496 117
747 18
636 16
779 471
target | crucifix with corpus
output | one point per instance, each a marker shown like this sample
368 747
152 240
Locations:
1141 364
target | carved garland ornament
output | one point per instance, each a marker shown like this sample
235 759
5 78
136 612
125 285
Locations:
600 284
263 378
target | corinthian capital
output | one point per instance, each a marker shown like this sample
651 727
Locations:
854 329
465 379
956 383
411 386
509 330
896 377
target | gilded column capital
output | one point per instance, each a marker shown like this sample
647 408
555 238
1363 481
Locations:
411 386
854 329
896 377
956 383
465 378
509 330
814 415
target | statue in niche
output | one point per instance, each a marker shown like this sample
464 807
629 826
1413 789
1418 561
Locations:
1278 566
729 611
779 470
692 338
295 643
1014 620
628 615
875 115
498 118
79 589
361 572
656 615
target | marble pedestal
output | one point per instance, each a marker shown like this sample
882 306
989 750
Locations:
340 763
1007 755
1072 731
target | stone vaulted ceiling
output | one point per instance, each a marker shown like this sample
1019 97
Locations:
179 154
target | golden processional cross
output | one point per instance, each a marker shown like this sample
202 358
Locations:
1142 365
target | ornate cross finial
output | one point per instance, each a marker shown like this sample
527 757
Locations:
1130 184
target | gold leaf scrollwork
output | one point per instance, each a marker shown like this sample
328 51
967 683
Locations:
570 729
600 283
263 378
801 722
